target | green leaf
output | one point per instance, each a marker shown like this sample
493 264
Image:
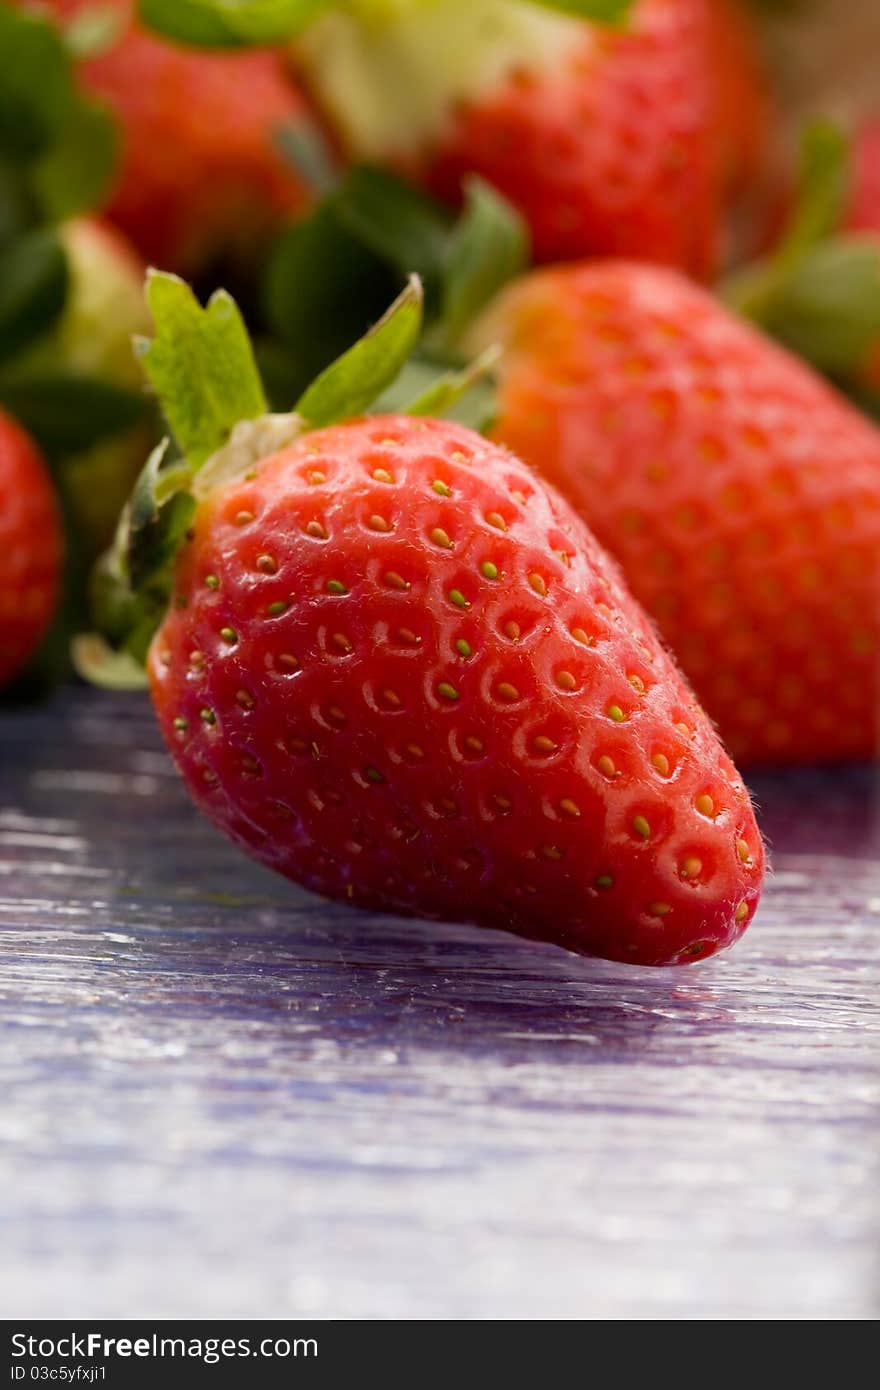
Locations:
230 23
321 290
303 147
161 509
489 246
351 383
201 364
17 209
598 11
67 413
239 23
97 662
75 172
36 84
428 387
827 308
401 225
33 288
443 395
823 187
132 583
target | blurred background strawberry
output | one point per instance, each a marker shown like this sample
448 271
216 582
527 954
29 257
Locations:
600 136
202 177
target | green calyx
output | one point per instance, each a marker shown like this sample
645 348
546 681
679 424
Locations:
57 146
245 23
355 251
202 367
818 293
84 408
57 155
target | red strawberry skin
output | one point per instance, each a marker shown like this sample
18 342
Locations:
627 149
864 211
739 492
400 671
30 549
743 104
200 173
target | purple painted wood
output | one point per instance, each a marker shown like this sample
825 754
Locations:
221 1096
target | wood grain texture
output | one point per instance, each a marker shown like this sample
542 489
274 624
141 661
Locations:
223 1097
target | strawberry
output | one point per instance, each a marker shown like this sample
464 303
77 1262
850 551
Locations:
615 142
740 494
201 174
30 549
398 669
741 93
863 213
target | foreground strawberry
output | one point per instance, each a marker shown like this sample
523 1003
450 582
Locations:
30 549
398 669
201 173
740 494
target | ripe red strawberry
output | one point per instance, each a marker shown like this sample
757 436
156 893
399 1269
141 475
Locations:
30 549
741 93
740 494
201 174
607 141
398 669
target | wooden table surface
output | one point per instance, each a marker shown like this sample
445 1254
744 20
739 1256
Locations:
223 1097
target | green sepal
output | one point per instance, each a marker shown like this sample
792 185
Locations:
351 384
327 274
302 145
427 387
33 288
161 509
321 290
230 23
133 583
36 84
62 143
201 365
489 245
75 173
826 307
101 665
405 228
596 11
243 23
818 293
823 190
